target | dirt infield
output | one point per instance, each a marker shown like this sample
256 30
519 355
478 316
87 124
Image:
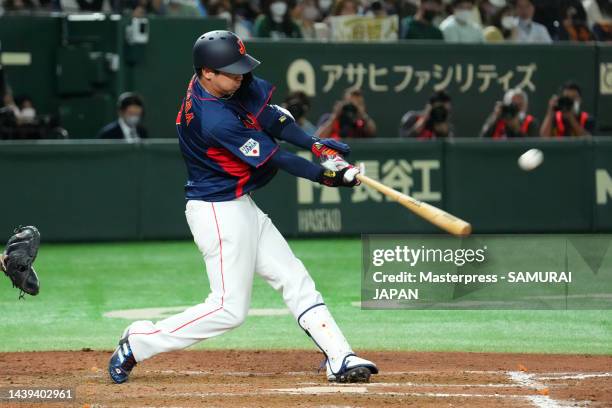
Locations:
290 378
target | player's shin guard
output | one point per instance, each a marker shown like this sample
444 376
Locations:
319 324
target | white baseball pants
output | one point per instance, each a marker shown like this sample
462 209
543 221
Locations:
237 240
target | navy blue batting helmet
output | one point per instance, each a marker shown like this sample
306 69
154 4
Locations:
223 51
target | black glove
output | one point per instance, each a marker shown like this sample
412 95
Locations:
332 178
17 260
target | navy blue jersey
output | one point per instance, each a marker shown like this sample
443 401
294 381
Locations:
225 149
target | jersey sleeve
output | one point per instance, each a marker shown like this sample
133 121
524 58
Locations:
252 146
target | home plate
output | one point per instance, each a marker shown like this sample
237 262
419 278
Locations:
322 390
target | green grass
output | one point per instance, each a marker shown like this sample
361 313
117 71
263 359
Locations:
80 282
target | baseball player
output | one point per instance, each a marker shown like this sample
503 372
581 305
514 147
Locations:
228 134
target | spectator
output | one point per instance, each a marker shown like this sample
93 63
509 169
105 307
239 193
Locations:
345 8
376 9
420 26
298 104
564 116
244 14
8 103
599 18
325 7
19 120
528 30
510 118
182 8
349 118
391 7
306 14
430 123
504 26
574 25
127 126
19 6
488 9
25 112
220 9
276 22
459 27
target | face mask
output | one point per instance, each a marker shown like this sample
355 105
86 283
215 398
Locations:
463 15
27 114
278 9
576 107
509 22
429 15
522 115
132 120
325 4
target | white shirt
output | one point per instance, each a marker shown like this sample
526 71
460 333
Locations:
459 32
530 32
129 133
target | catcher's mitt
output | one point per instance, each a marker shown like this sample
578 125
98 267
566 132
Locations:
19 255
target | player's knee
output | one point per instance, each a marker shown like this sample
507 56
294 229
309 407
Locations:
235 317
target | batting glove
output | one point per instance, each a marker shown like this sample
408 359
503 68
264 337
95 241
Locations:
342 178
329 146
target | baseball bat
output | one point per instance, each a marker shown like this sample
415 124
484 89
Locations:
436 216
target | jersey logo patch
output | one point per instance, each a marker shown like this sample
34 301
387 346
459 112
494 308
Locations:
250 148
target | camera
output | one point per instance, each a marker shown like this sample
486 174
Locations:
297 108
348 115
509 111
438 114
565 104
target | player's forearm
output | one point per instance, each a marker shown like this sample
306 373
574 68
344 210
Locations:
296 165
294 134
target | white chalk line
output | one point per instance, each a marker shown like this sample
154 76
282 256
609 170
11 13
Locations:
353 391
432 385
577 376
525 380
540 401
298 373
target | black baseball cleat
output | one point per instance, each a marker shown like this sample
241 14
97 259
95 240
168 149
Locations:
121 362
353 370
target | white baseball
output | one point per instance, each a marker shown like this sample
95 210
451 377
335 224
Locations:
531 159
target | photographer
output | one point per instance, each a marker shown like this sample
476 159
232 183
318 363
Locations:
298 104
564 116
348 120
510 118
432 122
